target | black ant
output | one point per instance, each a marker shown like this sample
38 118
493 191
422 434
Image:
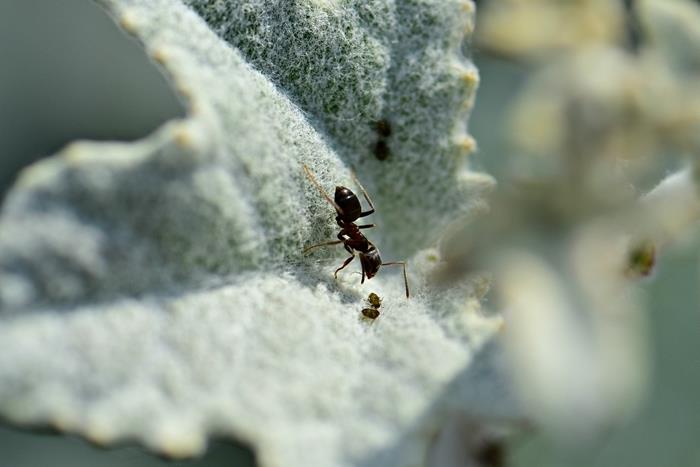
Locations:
348 208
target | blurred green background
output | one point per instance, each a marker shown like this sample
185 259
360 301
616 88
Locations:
68 73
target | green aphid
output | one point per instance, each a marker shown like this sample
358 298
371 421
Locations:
641 259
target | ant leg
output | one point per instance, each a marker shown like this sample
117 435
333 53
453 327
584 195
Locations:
334 242
341 236
311 177
347 261
405 279
364 193
366 226
363 275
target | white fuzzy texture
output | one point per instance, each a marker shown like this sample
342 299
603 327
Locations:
289 367
156 290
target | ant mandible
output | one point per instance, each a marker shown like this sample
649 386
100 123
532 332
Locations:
348 208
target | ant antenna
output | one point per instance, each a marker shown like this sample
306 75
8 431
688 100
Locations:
405 279
362 189
311 177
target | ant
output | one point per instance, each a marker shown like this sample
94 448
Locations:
348 208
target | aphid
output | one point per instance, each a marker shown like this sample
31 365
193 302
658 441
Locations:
381 147
371 313
381 150
375 302
348 210
383 128
641 260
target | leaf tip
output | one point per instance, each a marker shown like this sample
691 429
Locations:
129 21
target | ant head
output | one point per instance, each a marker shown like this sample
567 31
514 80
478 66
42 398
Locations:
348 202
371 261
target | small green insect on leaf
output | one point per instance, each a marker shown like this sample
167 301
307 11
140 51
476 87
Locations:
641 260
